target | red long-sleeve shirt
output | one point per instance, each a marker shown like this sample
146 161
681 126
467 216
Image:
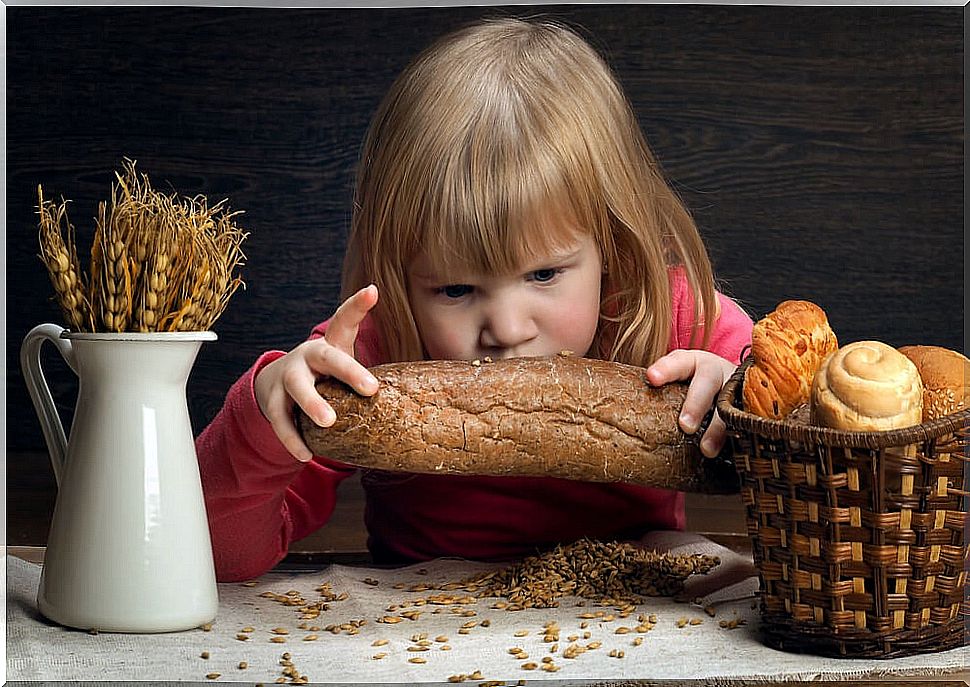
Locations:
259 498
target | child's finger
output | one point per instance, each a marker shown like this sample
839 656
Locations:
300 388
294 443
344 324
713 440
700 397
334 362
280 416
676 365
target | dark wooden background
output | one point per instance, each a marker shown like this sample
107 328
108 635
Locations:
820 149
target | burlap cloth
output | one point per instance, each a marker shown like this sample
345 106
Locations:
40 651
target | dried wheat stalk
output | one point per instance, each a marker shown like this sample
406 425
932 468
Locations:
158 263
59 255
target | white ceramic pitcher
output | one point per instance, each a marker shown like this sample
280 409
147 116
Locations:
129 547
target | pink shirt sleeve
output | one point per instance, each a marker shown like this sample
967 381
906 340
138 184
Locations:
732 328
258 497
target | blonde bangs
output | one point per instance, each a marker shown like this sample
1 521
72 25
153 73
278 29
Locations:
501 166
495 212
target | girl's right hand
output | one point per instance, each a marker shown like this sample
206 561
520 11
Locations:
292 378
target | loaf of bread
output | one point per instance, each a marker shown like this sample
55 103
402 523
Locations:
867 386
946 379
559 416
787 347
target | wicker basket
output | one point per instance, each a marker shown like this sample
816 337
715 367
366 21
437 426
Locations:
859 537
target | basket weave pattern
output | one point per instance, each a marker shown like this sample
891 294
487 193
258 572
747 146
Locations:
859 537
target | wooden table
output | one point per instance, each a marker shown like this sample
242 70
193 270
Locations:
186 646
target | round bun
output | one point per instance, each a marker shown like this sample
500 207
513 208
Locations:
946 379
867 386
787 346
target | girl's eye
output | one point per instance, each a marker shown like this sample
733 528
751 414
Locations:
455 290
544 275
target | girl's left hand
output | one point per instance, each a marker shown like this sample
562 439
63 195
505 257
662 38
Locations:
707 373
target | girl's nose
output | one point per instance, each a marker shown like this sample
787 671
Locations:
507 326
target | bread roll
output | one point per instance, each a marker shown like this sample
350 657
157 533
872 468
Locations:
569 417
867 386
946 379
787 347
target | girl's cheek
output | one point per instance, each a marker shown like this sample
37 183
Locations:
576 326
447 339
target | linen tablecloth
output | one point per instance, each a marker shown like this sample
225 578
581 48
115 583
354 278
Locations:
240 646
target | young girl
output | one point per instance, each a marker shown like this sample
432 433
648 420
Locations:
507 205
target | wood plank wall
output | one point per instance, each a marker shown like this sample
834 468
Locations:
820 149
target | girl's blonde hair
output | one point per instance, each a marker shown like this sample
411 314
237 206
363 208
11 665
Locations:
494 142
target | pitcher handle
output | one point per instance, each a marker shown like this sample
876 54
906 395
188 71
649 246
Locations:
40 393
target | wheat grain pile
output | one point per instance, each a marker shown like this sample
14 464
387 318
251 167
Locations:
158 262
612 573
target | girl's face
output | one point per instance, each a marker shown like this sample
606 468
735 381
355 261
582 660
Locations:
546 306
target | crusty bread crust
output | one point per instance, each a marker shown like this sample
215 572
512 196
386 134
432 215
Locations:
559 416
946 379
787 347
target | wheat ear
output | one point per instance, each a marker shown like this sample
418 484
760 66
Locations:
157 263
59 256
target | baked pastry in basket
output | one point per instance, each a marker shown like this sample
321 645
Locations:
787 346
867 386
946 379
